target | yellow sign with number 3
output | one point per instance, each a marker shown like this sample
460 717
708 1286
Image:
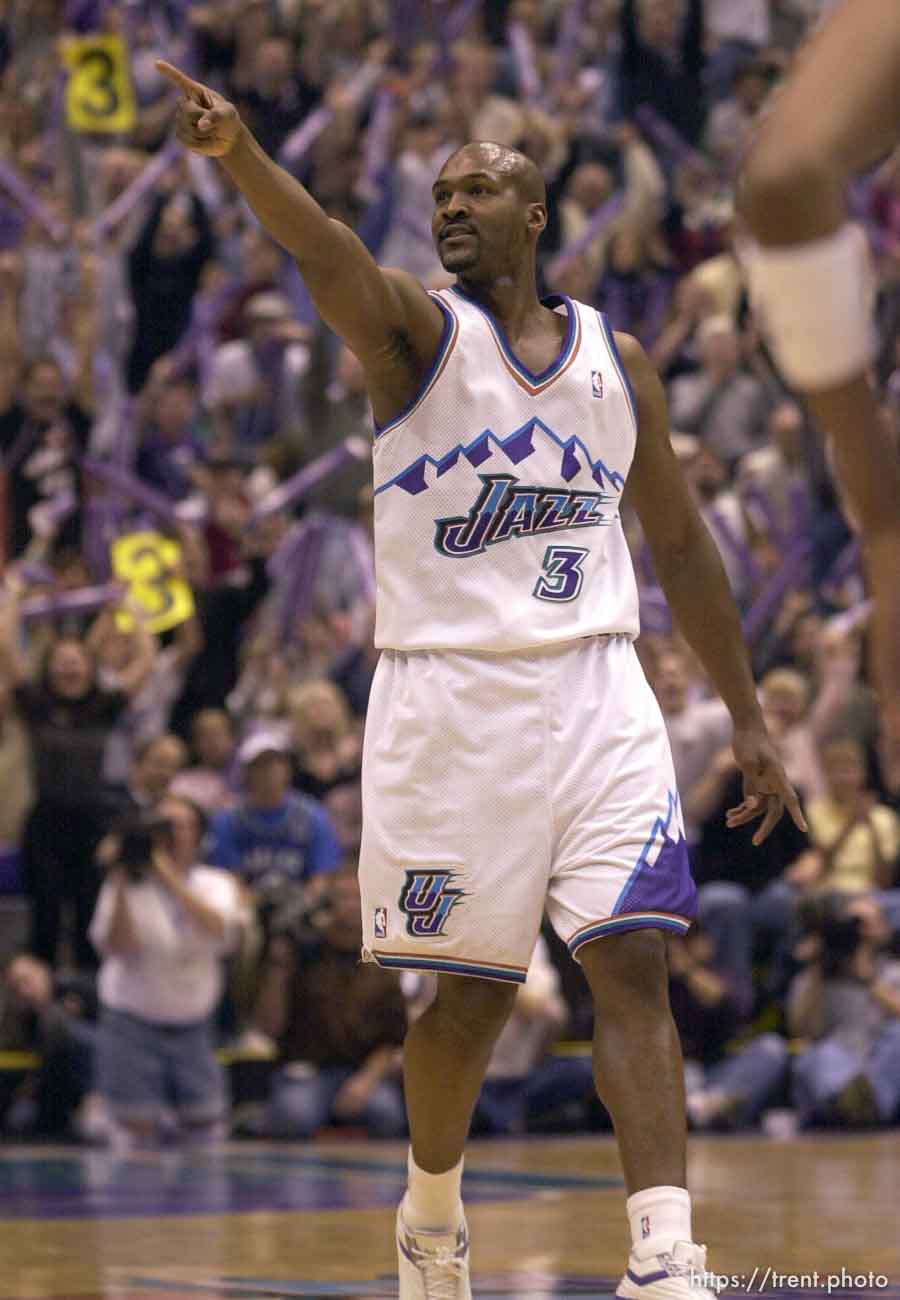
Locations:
151 565
99 94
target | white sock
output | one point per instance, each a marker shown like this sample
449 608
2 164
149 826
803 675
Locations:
433 1201
659 1216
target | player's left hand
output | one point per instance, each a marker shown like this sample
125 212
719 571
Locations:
767 791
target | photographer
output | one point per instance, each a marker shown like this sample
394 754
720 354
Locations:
339 1024
163 924
847 1001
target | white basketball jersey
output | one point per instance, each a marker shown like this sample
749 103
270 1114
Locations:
497 493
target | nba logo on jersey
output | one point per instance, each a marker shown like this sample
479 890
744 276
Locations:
645 1227
427 901
380 922
596 383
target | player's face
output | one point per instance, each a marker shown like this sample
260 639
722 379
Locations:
479 221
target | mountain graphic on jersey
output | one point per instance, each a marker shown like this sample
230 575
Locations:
517 447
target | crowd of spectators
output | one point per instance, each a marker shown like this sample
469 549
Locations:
181 809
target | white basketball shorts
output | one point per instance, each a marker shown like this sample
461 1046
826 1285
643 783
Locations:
497 785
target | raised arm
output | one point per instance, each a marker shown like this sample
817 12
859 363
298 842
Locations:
690 572
385 317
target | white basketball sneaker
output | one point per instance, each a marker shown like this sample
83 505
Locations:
677 1275
433 1265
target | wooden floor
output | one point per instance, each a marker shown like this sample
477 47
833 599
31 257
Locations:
546 1216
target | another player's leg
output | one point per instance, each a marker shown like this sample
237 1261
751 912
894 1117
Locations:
445 1058
809 277
639 1075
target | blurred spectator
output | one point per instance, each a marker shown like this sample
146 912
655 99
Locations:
774 480
637 285
859 838
343 803
326 744
846 1000
277 98
164 269
171 444
254 382
732 120
69 719
156 764
721 404
340 1025
16 784
132 661
746 898
720 509
485 114
209 782
337 406
55 1017
407 241
662 62
785 695
352 671
42 434
698 728
724 1089
525 1088
162 928
274 834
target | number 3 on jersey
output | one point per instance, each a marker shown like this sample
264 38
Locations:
561 576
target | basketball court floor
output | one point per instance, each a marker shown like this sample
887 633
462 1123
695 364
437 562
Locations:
812 1217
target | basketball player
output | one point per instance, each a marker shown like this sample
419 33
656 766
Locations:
810 279
515 756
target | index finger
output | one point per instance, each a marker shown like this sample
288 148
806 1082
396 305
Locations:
190 88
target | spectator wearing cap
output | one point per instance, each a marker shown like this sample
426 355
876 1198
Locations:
275 833
254 382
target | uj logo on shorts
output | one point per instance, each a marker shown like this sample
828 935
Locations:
427 901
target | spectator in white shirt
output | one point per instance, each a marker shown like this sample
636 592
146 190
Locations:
162 930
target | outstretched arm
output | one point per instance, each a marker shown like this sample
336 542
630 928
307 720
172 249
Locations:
690 572
385 317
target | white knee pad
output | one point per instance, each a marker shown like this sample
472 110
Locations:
814 304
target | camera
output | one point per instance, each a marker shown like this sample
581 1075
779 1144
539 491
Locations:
285 908
138 833
840 932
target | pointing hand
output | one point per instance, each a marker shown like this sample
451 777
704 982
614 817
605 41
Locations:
205 122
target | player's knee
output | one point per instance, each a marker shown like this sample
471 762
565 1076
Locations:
473 1008
622 968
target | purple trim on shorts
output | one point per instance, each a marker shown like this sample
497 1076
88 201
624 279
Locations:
449 966
635 921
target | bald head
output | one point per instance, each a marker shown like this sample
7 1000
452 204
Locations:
489 210
502 161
